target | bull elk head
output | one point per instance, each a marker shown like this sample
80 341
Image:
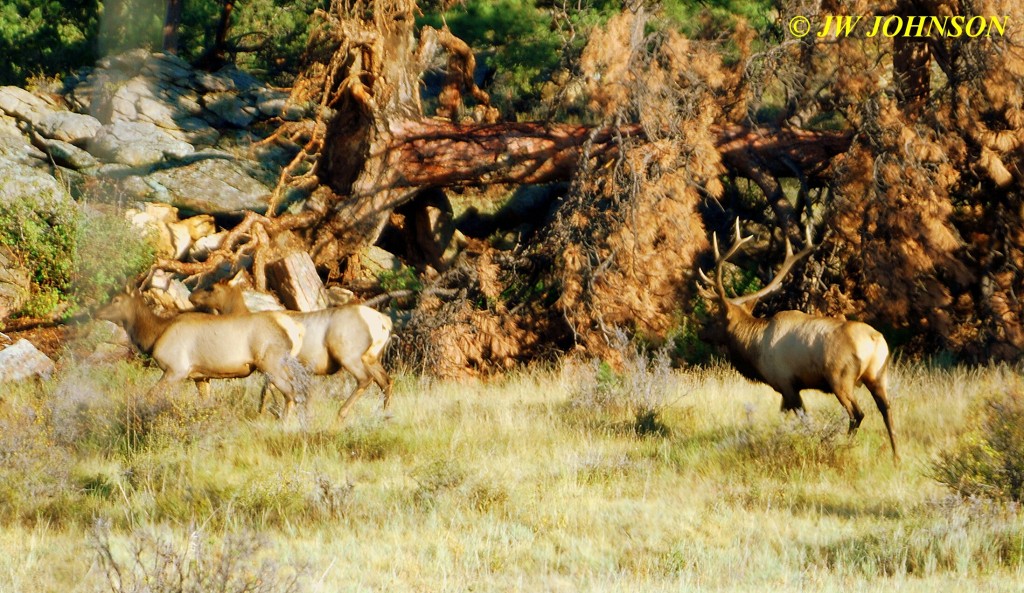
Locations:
791 351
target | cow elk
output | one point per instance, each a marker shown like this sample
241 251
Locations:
202 347
350 337
791 351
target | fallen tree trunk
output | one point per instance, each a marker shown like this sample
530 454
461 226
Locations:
413 155
439 153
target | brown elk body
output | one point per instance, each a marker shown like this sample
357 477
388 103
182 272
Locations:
350 337
201 347
791 351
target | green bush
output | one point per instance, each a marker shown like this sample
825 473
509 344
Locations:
402 279
436 478
790 449
109 252
33 469
76 259
988 461
44 239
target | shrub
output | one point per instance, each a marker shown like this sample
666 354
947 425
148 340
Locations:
154 563
641 388
43 237
402 279
436 478
108 252
988 461
953 536
33 469
73 257
792 447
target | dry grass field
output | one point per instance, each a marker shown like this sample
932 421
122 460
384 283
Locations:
569 478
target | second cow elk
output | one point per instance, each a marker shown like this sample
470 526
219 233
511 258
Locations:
351 337
792 351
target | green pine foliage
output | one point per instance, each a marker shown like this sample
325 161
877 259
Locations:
46 37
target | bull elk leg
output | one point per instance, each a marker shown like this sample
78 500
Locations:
791 400
845 396
203 386
286 389
878 392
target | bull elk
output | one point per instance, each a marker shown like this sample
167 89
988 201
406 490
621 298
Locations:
791 351
201 347
349 337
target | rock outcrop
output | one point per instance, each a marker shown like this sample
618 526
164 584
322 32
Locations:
154 129
139 127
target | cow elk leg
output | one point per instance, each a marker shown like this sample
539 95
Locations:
364 382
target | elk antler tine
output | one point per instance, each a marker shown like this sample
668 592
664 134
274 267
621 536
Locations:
807 232
739 237
714 237
703 276
789 247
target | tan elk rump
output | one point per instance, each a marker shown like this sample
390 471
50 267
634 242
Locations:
792 351
200 347
350 337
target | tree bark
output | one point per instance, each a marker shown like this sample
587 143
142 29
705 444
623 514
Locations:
220 40
172 21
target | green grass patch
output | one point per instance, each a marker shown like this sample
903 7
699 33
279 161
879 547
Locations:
508 484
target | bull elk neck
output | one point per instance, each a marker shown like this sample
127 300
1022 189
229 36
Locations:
791 351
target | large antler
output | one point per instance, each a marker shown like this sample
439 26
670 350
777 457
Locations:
776 282
720 260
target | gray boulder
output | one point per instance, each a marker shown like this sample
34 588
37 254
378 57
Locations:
230 108
209 186
275 103
137 144
8 126
25 175
169 68
143 87
129 61
21 360
226 79
66 126
68 155
23 105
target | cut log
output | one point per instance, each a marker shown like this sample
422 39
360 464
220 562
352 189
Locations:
296 281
